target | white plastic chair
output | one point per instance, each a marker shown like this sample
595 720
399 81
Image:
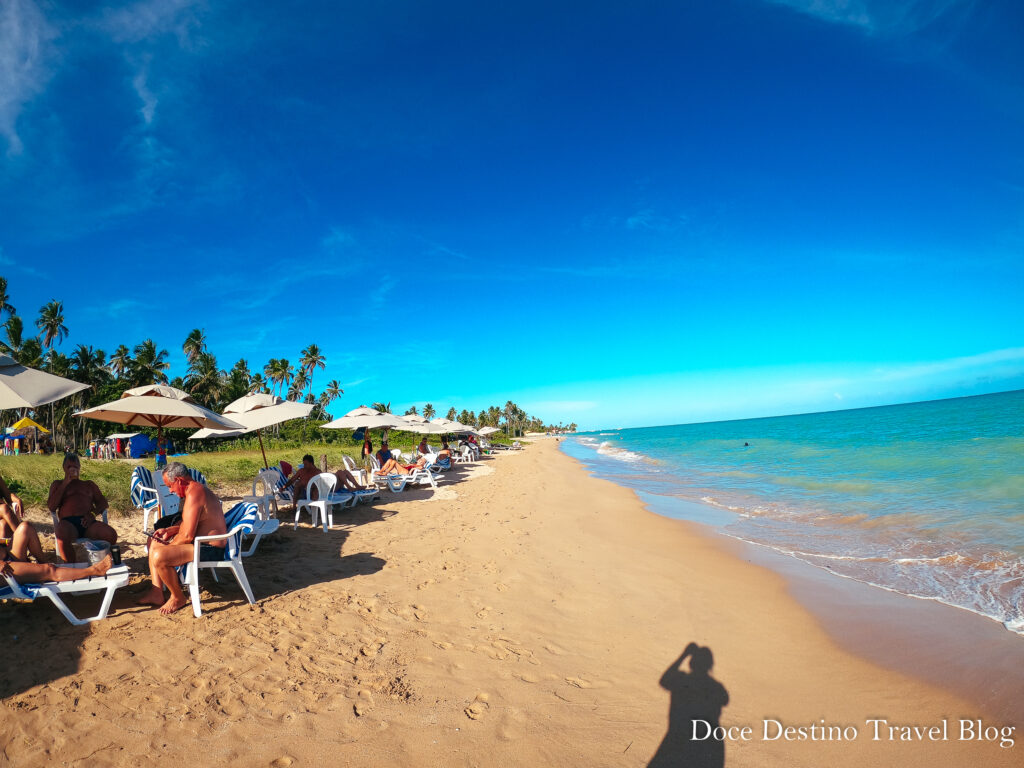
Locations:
357 472
323 484
263 493
241 519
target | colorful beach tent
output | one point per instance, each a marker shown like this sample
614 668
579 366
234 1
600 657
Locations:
138 443
26 422
22 387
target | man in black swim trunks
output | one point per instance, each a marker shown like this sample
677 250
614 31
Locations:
76 502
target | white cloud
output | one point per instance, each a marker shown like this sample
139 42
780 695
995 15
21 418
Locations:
145 20
25 53
149 100
889 18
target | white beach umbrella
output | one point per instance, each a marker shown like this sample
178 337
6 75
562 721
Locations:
256 411
484 431
420 425
367 418
22 387
158 406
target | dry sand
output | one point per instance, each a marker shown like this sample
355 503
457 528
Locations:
521 616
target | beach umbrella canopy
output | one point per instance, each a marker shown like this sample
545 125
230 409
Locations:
257 411
22 387
484 431
417 423
367 418
158 406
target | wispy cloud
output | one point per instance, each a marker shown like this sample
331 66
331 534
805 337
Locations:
337 241
885 18
984 360
136 22
25 63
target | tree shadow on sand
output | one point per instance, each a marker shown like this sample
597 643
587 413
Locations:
695 696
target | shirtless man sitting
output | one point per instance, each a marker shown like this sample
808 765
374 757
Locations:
76 502
301 477
201 515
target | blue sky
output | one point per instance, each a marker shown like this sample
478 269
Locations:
614 214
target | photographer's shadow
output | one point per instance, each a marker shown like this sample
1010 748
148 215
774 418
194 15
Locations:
696 696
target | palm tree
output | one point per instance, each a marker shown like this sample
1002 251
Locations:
204 380
5 305
195 344
258 384
383 407
89 367
451 414
298 385
121 361
311 360
31 353
237 382
329 395
13 328
428 411
149 364
51 323
411 411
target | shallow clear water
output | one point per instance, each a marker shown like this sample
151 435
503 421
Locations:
925 498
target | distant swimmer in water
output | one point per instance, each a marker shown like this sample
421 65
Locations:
746 445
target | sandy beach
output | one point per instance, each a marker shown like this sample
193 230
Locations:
524 615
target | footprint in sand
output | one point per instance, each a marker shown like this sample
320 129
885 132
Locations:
282 762
444 645
482 613
419 612
426 584
478 708
501 587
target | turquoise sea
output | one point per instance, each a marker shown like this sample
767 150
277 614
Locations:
926 498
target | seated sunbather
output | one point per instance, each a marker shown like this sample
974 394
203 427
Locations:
10 511
76 503
301 478
423 447
384 454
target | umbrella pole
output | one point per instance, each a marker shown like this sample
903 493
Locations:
266 464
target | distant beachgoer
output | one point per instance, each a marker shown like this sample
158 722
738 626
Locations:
367 446
746 445
300 479
76 502
161 452
384 454
201 515
423 447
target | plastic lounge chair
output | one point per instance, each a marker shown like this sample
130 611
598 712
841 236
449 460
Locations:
241 519
110 582
394 483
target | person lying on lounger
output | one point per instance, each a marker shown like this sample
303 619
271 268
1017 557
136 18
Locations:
392 467
76 503
15 561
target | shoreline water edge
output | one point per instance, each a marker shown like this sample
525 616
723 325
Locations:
924 500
